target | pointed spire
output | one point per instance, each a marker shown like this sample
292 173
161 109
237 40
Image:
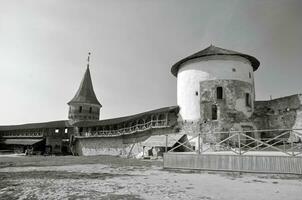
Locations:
85 93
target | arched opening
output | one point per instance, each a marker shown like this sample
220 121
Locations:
219 93
214 112
248 101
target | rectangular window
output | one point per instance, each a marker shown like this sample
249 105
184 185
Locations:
66 130
57 130
214 112
248 100
90 109
219 93
80 109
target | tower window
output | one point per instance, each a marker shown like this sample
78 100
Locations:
248 100
80 109
219 93
90 109
214 112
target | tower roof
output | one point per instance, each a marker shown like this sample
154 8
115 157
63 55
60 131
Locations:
211 51
85 93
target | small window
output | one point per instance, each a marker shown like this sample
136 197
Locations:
234 70
80 109
90 109
57 130
250 75
196 93
219 93
248 99
214 112
66 130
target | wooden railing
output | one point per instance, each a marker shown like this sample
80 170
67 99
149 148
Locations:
126 130
285 142
21 134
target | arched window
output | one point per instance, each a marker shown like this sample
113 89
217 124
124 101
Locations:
214 112
219 93
248 100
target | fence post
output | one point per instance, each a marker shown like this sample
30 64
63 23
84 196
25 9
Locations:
240 158
166 148
199 146
239 143
292 142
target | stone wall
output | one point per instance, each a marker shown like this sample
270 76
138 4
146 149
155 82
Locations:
232 111
281 113
125 145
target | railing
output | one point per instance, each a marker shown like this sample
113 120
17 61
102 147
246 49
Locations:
23 134
127 130
283 141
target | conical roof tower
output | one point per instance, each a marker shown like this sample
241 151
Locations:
85 93
84 105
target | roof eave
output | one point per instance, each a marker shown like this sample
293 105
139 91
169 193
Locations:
254 62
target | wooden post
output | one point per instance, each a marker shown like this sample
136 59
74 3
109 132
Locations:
292 143
166 148
199 146
240 158
239 143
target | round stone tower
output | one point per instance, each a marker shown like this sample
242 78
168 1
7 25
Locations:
84 105
215 87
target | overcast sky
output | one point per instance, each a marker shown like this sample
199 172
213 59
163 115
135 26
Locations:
134 43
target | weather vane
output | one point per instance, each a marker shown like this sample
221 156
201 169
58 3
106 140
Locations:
88 59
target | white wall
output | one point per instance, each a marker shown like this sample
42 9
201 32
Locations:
191 74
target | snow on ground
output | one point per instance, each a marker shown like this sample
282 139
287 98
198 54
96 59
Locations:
110 181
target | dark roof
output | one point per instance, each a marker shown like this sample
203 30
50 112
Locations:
211 51
126 118
52 124
85 93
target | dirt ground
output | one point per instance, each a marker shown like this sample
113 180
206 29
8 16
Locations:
106 177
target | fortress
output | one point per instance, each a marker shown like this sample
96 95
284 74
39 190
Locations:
215 93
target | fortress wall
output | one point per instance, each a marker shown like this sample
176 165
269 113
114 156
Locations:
116 146
281 113
101 146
